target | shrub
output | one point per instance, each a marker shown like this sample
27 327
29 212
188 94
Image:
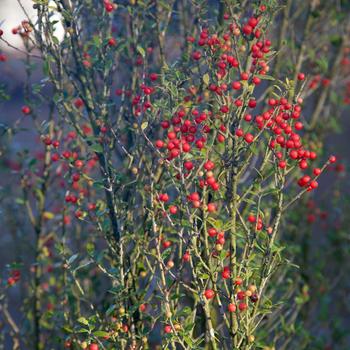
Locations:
164 185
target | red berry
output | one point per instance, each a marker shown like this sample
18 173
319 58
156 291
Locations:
282 164
194 196
196 55
249 138
251 218
163 197
236 85
247 29
294 154
171 135
242 306
254 298
211 207
304 180
186 147
188 165
240 295
239 132
298 125
166 244
75 177
313 184
252 103
78 214
238 103
209 294
301 76
109 8
226 273
11 281
209 165
224 109
143 307
248 118
93 346
313 155
78 103
244 76
55 143
91 206
26 110
272 102
153 76
253 22
55 157
256 80
220 138
167 329
159 144
303 164
317 171
332 159
212 232
186 257
112 42
173 209
78 163
66 154
231 307
238 281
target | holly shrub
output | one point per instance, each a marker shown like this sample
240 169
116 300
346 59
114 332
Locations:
165 199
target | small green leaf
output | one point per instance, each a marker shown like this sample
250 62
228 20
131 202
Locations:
19 201
141 51
67 329
101 334
72 259
90 248
96 147
266 77
206 79
83 321
55 40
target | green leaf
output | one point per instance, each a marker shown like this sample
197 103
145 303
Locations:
110 310
82 330
96 147
46 67
206 79
90 248
83 321
72 259
55 40
141 51
101 334
266 77
67 329
223 255
19 201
